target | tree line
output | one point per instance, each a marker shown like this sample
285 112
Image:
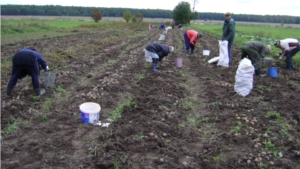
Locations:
57 10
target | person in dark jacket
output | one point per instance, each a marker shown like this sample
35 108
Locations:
26 62
158 52
228 32
255 51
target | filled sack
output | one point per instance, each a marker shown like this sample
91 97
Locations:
244 77
223 60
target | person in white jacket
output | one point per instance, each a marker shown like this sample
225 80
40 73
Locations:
289 47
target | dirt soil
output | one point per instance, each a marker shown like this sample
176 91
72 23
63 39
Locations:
187 117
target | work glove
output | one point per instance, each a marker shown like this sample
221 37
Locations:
47 68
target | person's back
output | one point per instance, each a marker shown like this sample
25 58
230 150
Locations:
192 35
256 45
162 26
289 43
160 49
24 57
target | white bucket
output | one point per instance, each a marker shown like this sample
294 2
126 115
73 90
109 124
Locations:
89 112
206 52
148 56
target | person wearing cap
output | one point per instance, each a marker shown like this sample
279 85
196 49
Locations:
289 47
26 62
190 38
228 32
158 52
255 51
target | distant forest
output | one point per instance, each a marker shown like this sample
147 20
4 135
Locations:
57 10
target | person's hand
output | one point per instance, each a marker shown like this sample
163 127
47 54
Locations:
47 68
281 56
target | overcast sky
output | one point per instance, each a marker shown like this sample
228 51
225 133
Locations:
260 7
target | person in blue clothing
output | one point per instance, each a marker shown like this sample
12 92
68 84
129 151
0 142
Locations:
26 62
158 52
162 26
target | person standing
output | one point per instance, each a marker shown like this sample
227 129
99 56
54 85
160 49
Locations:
289 47
190 38
255 51
158 52
26 62
173 24
228 32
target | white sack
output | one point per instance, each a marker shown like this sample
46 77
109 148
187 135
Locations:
213 60
223 60
165 32
161 37
244 77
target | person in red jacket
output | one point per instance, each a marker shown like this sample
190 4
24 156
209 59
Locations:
190 38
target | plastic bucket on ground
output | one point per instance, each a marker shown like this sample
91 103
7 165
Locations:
178 62
273 72
268 62
206 52
49 78
148 57
89 112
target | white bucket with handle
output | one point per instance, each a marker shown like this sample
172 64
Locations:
147 56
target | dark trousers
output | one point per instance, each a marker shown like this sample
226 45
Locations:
289 56
154 61
229 53
20 71
188 45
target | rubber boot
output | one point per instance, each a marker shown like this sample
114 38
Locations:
258 73
192 52
8 92
154 64
186 52
39 91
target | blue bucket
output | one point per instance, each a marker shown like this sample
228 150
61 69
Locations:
273 71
